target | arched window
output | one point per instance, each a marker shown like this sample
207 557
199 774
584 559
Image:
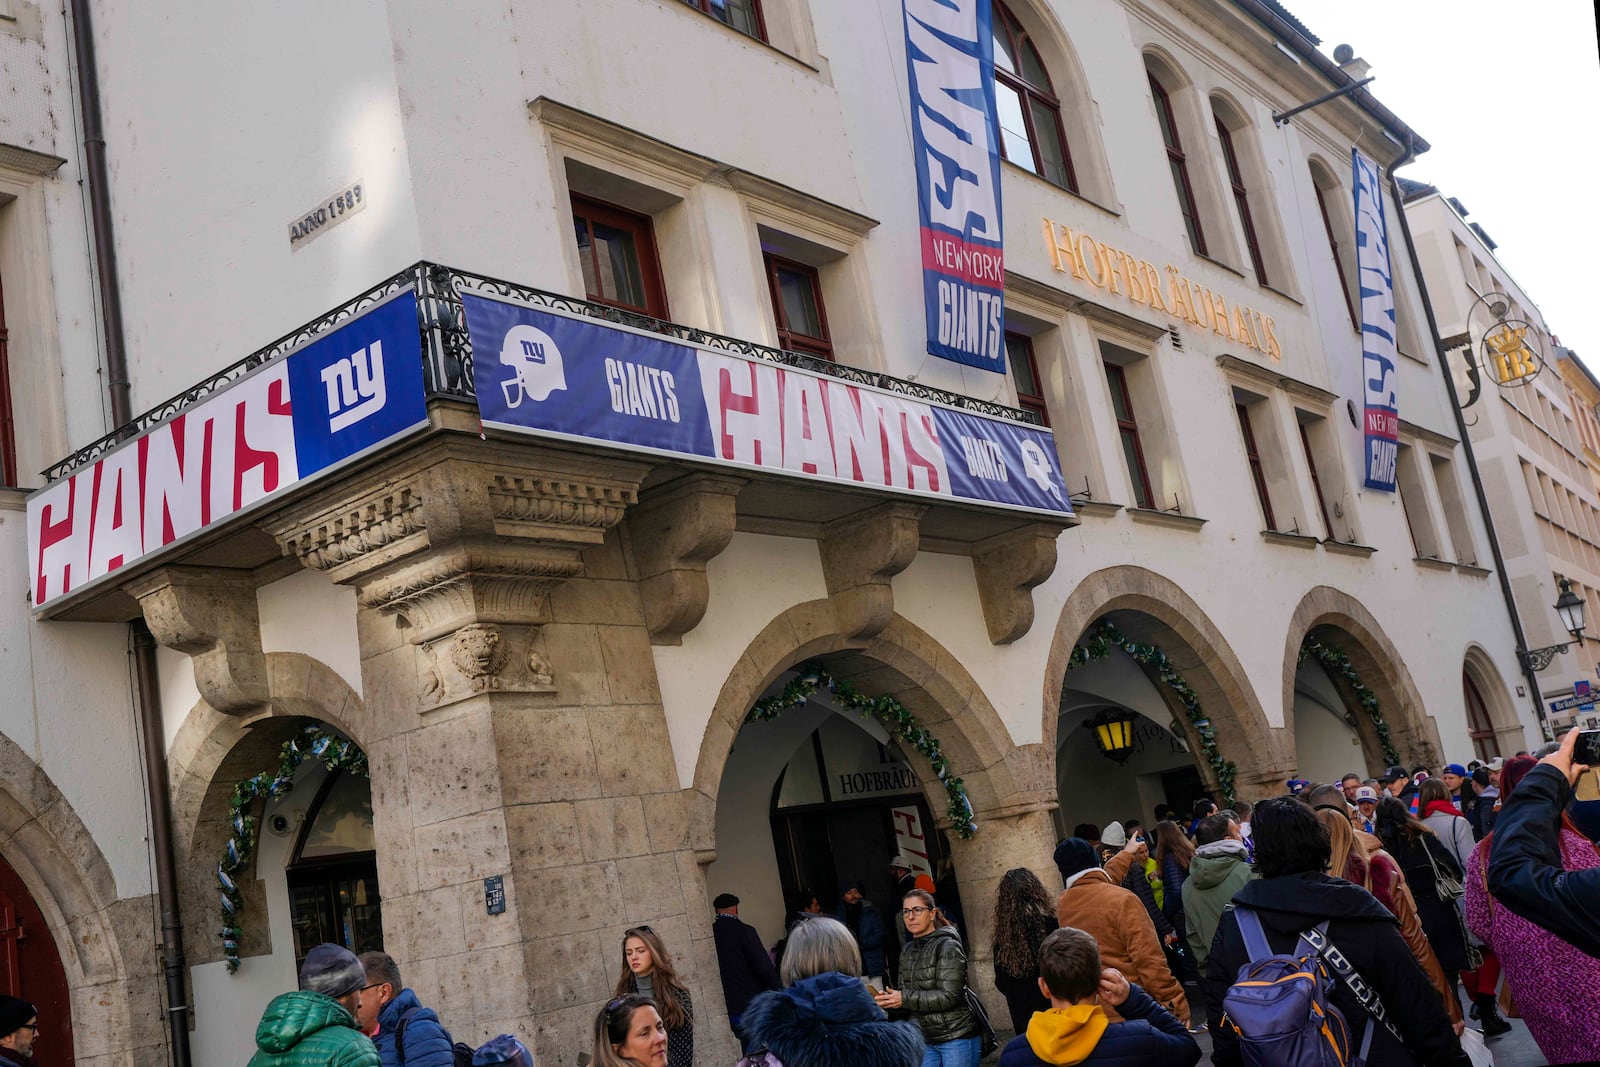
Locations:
1030 112
1479 726
333 872
1241 199
1338 221
1178 162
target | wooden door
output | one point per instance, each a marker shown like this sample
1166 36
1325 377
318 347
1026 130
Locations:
30 968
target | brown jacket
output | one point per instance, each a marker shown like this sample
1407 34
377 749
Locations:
1097 904
1388 884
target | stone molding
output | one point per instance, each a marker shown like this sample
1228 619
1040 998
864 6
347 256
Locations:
568 510
1007 568
487 581
213 617
379 525
860 555
673 534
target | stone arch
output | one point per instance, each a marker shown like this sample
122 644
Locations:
1343 623
1478 665
95 933
1151 608
213 751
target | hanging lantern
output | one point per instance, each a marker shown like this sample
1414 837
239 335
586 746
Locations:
1113 732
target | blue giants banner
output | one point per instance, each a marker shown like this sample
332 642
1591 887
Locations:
558 375
955 137
345 393
1380 379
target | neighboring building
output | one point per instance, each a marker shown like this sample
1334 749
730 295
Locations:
550 647
1583 397
1531 437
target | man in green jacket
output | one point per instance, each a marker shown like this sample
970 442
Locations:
1219 869
316 1026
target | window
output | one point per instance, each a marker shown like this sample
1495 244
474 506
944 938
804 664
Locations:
742 15
1241 199
617 251
1455 510
333 875
1316 480
1128 431
1253 457
1479 726
1179 164
8 429
1414 502
1326 187
1030 113
1025 374
797 307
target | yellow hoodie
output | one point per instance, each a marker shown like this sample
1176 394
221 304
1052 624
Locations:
1066 1036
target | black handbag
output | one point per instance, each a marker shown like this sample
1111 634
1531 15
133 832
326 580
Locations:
988 1040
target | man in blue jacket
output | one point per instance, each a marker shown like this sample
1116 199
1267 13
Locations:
1076 1030
408 1035
1525 869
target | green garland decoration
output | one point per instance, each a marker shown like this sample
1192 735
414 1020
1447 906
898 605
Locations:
336 753
1337 663
891 713
1098 645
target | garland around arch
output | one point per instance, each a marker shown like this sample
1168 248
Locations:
1105 636
1338 664
335 753
903 725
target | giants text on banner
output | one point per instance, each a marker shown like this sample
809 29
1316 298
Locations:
955 138
560 375
1379 377
347 392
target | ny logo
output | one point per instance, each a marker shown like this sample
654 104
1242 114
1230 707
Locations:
355 387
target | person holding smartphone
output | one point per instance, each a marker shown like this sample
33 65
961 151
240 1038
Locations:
933 975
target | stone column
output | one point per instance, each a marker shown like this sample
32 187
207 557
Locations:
515 729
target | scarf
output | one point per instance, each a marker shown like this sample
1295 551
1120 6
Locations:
1439 807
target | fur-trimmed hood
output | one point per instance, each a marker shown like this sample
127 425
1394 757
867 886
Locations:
830 1020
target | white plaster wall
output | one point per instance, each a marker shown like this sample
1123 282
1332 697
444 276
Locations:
179 694
308 614
1327 748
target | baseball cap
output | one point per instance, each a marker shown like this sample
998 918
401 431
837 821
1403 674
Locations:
1455 769
1498 763
1298 786
1394 774
1366 792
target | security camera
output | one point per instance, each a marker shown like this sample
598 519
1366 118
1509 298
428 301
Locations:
280 824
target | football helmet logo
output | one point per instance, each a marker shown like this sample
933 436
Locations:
535 362
1037 468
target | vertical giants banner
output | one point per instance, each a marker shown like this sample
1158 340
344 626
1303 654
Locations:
955 137
1379 377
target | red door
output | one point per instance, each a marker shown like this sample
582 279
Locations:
30 968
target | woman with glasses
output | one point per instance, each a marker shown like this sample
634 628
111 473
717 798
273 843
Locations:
933 978
825 1017
647 972
628 1032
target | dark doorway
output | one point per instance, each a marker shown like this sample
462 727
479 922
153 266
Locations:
30 968
1182 788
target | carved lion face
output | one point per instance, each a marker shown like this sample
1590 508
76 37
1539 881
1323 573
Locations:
478 645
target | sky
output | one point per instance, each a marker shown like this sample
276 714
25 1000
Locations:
1508 95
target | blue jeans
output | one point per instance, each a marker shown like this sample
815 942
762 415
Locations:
960 1053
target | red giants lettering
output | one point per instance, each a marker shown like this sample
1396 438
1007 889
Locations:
769 416
217 458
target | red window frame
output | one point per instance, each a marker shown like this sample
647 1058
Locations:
1316 479
1044 95
709 8
1333 245
1179 164
1241 198
1480 727
8 427
1252 455
591 211
1033 402
1128 431
789 338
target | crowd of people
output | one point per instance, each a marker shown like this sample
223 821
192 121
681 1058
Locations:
1371 901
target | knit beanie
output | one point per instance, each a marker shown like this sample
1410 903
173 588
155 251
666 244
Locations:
332 970
1074 855
1114 835
503 1050
15 1013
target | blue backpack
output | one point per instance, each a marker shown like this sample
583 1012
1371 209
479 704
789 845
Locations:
1280 1006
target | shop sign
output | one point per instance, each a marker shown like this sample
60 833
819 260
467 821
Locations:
343 394
955 139
1380 378
559 375
876 781
1120 273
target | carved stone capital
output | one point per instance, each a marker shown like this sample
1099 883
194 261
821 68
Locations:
860 554
1007 568
484 657
674 532
212 617
346 540
505 582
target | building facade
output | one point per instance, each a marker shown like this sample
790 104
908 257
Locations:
559 654
1531 436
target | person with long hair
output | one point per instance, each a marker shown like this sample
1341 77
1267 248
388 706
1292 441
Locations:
824 1016
1426 862
1440 814
1172 854
1024 915
647 971
629 1032
933 977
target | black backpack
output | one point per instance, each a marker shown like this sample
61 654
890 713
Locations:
462 1054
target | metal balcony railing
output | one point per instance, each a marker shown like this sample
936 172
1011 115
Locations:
447 351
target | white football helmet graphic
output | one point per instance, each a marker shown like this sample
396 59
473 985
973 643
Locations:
1037 468
535 362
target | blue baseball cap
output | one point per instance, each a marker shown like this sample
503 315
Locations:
1297 786
1455 769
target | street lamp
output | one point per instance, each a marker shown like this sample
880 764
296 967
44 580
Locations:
1569 606
1113 732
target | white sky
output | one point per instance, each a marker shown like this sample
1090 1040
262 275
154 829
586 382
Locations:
1508 95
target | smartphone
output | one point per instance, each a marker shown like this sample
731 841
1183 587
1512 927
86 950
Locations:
1587 750
874 990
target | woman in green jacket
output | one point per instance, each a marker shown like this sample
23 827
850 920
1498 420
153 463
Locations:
933 978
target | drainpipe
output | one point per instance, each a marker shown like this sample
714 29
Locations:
141 645
1466 444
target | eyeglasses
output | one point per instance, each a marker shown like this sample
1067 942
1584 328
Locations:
632 931
374 985
29 1026
914 911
